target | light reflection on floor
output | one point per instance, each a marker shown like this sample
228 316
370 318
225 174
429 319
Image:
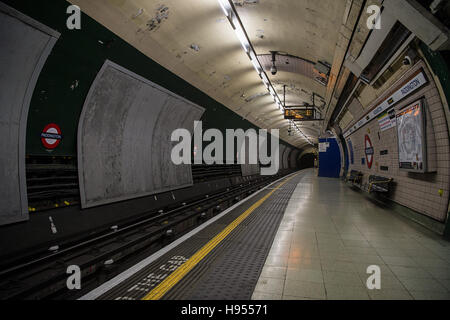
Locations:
330 234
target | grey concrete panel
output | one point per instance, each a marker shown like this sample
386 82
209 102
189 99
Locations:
287 153
293 158
124 146
248 169
282 150
25 45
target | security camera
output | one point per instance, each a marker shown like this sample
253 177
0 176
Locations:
273 70
407 61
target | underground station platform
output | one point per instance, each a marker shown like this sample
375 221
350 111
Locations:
283 243
217 156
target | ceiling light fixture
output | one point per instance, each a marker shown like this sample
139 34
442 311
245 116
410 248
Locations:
225 5
242 38
255 64
230 11
272 92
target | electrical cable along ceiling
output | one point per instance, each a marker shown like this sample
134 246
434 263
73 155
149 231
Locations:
221 47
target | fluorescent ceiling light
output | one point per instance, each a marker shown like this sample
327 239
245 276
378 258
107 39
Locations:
265 79
256 65
272 92
225 5
236 24
242 38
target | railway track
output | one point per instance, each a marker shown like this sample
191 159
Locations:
102 257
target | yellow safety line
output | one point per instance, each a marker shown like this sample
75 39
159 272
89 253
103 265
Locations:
159 291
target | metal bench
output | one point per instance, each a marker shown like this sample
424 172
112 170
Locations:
378 184
355 177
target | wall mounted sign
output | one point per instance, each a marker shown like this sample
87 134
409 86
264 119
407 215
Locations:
51 136
368 147
418 81
411 138
323 146
387 120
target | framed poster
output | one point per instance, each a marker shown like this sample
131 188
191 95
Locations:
411 136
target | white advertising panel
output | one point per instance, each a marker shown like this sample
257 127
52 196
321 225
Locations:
411 138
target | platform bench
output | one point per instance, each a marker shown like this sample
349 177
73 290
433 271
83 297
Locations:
378 184
355 177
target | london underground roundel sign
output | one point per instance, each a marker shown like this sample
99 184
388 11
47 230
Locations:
51 136
369 151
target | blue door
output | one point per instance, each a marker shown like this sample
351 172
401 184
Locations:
329 158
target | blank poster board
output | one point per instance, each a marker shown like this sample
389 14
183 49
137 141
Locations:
124 138
412 155
25 45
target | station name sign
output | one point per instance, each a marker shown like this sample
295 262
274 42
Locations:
411 86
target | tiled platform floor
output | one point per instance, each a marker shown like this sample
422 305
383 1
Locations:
330 234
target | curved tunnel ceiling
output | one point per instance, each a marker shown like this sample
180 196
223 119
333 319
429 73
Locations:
194 40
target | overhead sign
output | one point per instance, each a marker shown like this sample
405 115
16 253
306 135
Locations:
411 86
51 136
368 151
299 114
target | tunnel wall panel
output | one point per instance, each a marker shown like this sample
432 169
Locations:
281 151
124 147
286 155
293 159
248 169
25 45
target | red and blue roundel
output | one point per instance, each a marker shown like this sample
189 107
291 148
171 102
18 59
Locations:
51 136
369 151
